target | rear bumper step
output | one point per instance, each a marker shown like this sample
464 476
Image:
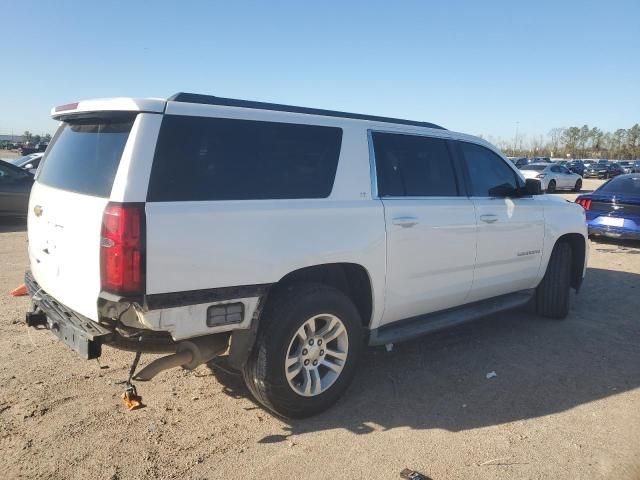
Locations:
81 334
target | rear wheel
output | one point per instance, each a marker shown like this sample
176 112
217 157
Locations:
306 352
551 187
552 295
578 186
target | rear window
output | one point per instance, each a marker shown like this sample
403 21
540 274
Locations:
413 166
84 154
622 186
537 168
226 159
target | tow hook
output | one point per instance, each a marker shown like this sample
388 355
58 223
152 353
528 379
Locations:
36 319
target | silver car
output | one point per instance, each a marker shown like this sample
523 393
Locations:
553 177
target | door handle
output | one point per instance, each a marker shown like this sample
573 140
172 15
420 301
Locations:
405 222
489 218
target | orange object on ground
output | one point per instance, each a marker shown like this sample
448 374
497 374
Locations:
131 399
20 291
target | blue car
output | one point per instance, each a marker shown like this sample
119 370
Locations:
613 210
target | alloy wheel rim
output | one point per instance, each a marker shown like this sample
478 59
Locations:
316 355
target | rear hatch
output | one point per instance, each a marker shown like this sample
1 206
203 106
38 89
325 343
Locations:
72 189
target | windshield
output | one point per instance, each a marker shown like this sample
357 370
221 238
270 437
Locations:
537 168
623 186
84 155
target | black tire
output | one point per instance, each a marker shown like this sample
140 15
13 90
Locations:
551 187
285 313
578 186
553 293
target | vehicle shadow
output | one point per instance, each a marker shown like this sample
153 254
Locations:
623 245
10 224
542 367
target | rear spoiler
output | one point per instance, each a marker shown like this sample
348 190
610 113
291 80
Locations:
123 104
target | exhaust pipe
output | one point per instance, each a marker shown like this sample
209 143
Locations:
189 354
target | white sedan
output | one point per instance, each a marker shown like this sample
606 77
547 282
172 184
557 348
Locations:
553 177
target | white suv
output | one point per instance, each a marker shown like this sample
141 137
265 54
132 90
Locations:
288 237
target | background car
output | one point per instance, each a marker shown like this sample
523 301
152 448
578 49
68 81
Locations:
613 210
15 186
28 162
602 170
636 167
576 166
626 166
553 177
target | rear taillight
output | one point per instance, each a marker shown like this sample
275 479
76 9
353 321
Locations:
585 202
121 248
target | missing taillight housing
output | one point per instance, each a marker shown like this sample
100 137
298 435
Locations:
122 248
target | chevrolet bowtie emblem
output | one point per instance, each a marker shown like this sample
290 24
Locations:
37 210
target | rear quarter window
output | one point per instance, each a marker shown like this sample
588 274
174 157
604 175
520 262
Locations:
84 154
200 158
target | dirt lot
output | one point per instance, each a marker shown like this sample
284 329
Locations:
9 154
565 402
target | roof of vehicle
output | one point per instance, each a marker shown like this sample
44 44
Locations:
536 164
158 105
231 102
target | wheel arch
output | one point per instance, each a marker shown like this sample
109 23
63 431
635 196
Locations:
352 279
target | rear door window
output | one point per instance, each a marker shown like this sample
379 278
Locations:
413 166
489 174
84 154
200 158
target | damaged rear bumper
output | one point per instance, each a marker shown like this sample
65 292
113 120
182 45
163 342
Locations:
78 332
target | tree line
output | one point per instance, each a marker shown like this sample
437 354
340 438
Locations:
577 142
32 139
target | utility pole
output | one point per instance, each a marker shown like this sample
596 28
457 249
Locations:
516 142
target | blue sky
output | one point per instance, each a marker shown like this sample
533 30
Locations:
472 66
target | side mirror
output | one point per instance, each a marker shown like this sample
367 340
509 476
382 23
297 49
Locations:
503 191
532 186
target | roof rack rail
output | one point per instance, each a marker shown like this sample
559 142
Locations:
230 102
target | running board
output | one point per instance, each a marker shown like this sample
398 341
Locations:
432 322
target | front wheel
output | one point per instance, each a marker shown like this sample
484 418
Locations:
553 293
306 352
578 186
551 187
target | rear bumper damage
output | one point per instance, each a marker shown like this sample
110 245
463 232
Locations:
78 332
86 337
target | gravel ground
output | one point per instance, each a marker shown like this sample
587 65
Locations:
9 154
565 402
